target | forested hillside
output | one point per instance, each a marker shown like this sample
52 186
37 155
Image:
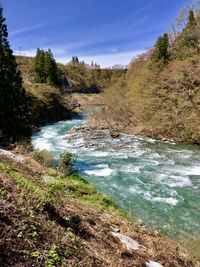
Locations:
43 84
80 74
160 95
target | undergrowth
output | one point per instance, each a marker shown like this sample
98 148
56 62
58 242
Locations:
39 207
72 185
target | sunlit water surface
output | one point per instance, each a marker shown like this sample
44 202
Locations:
156 182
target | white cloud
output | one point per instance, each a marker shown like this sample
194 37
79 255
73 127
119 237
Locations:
26 53
26 29
57 51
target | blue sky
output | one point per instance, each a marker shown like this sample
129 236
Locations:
106 31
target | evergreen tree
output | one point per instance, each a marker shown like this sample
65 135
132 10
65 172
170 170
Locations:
14 115
191 20
188 41
45 67
191 38
75 60
40 74
161 49
50 68
36 66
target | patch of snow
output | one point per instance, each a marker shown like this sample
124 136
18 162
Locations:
153 264
129 242
11 155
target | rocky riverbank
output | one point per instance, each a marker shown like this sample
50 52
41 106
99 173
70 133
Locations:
105 119
101 121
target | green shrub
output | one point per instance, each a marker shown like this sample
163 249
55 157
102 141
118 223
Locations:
66 163
53 258
2 193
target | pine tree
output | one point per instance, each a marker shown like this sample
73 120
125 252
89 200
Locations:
75 60
51 70
161 49
40 73
189 38
191 20
45 67
14 115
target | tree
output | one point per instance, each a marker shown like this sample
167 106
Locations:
14 104
191 20
50 68
187 42
191 37
75 60
46 70
40 74
161 49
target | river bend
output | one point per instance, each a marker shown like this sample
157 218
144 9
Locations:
157 182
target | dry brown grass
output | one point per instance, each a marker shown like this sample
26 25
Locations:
192 245
44 157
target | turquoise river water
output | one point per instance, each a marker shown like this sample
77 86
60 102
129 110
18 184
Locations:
156 182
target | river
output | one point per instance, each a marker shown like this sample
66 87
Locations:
156 182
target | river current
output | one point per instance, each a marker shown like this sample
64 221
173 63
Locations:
156 182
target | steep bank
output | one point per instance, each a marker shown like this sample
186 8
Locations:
160 94
50 220
149 106
49 104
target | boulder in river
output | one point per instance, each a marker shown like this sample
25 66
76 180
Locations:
114 135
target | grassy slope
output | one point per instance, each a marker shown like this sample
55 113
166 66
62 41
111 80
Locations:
48 220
